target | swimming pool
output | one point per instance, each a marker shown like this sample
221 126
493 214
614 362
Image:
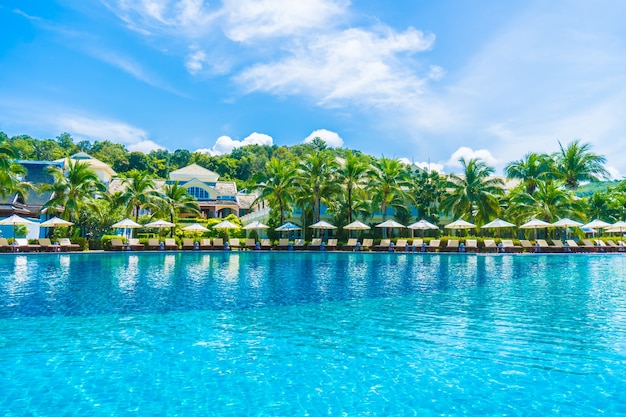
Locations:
236 334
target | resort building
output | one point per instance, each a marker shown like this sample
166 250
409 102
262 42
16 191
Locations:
102 170
215 198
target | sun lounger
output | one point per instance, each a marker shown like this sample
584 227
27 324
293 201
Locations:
545 247
154 244
367 244
527 246
299 244
117 244
401 245
417 244
24 246
135 245
351 245
452 245
613 246
490 245
250 244
509 246
602 247
559 246
331 244
67 245
383 245
573 246
188 244
170 244
218 243
4 245
471 245
234 244
266 244
315 244
205 244
433 245
47 245
283 244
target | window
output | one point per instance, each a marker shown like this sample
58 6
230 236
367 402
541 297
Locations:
200 194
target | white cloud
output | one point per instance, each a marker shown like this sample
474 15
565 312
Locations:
249 20
468 153
135 139
332 139
614 173
431 166
354 66
190 18
225 144
195 61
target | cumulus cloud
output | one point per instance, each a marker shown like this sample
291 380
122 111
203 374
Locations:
468 153
135 139
225 144
253 19
332 139
351 66
431 166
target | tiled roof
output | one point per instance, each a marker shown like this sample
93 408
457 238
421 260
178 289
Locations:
246 200
226 188
194 170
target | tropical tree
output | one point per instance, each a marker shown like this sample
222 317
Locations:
10 175
576 163
475 193
174 201
72 190
386 181
550 202
351 176
531 169
316 175
276 185
139 192
426 191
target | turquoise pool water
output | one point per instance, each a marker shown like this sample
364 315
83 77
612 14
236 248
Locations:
282 334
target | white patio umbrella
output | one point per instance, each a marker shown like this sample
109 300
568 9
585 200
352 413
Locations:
226 224
497 224
535 224
160 224
255 225
597 224
15 220
55 222
618 227
460 224
566 223
322 225
390 224
357 225
126 224
422 225
195 227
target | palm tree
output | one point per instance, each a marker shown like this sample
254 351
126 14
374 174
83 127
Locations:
386 180
174 201
315 175
577 163
351 175
533 167
10 173
427 189
475 193
550 202
276 185
139 192
73 190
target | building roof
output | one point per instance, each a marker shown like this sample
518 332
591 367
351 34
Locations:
246 200
226 188
91 161
194 171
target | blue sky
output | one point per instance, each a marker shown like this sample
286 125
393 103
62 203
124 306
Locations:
429 81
